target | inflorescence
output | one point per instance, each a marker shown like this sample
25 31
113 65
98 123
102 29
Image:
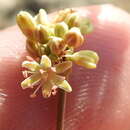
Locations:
52 44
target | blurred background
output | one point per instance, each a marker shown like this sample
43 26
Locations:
9 8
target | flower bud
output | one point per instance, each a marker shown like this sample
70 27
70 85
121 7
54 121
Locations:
61 16
72 20
56 45
26 23
31 47
42 33
34 48
42 17
85 25
85 58
61 29
74 37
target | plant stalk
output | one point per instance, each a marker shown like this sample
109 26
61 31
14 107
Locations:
61 110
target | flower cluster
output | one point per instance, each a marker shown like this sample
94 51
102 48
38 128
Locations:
51 43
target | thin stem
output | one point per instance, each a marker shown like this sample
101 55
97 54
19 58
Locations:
61 110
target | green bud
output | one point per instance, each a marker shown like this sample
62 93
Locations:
33 47
56 45
42 17
74 37
43 33
72 19
46 48
85 26
61 29
85 58
26 23
53 57
61 16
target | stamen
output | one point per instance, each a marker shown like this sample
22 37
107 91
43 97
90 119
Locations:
33 95
25 74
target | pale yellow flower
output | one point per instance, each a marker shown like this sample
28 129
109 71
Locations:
46 76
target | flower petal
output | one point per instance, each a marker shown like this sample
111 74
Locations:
31 81
65 86
45 62
33 66
62 67
47 89
58 79
67 73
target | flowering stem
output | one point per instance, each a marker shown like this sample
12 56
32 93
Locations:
61 110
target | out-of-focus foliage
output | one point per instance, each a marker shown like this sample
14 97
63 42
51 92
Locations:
9 8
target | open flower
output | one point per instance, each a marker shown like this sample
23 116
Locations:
46 76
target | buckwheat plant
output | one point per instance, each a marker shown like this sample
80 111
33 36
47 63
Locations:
52 44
